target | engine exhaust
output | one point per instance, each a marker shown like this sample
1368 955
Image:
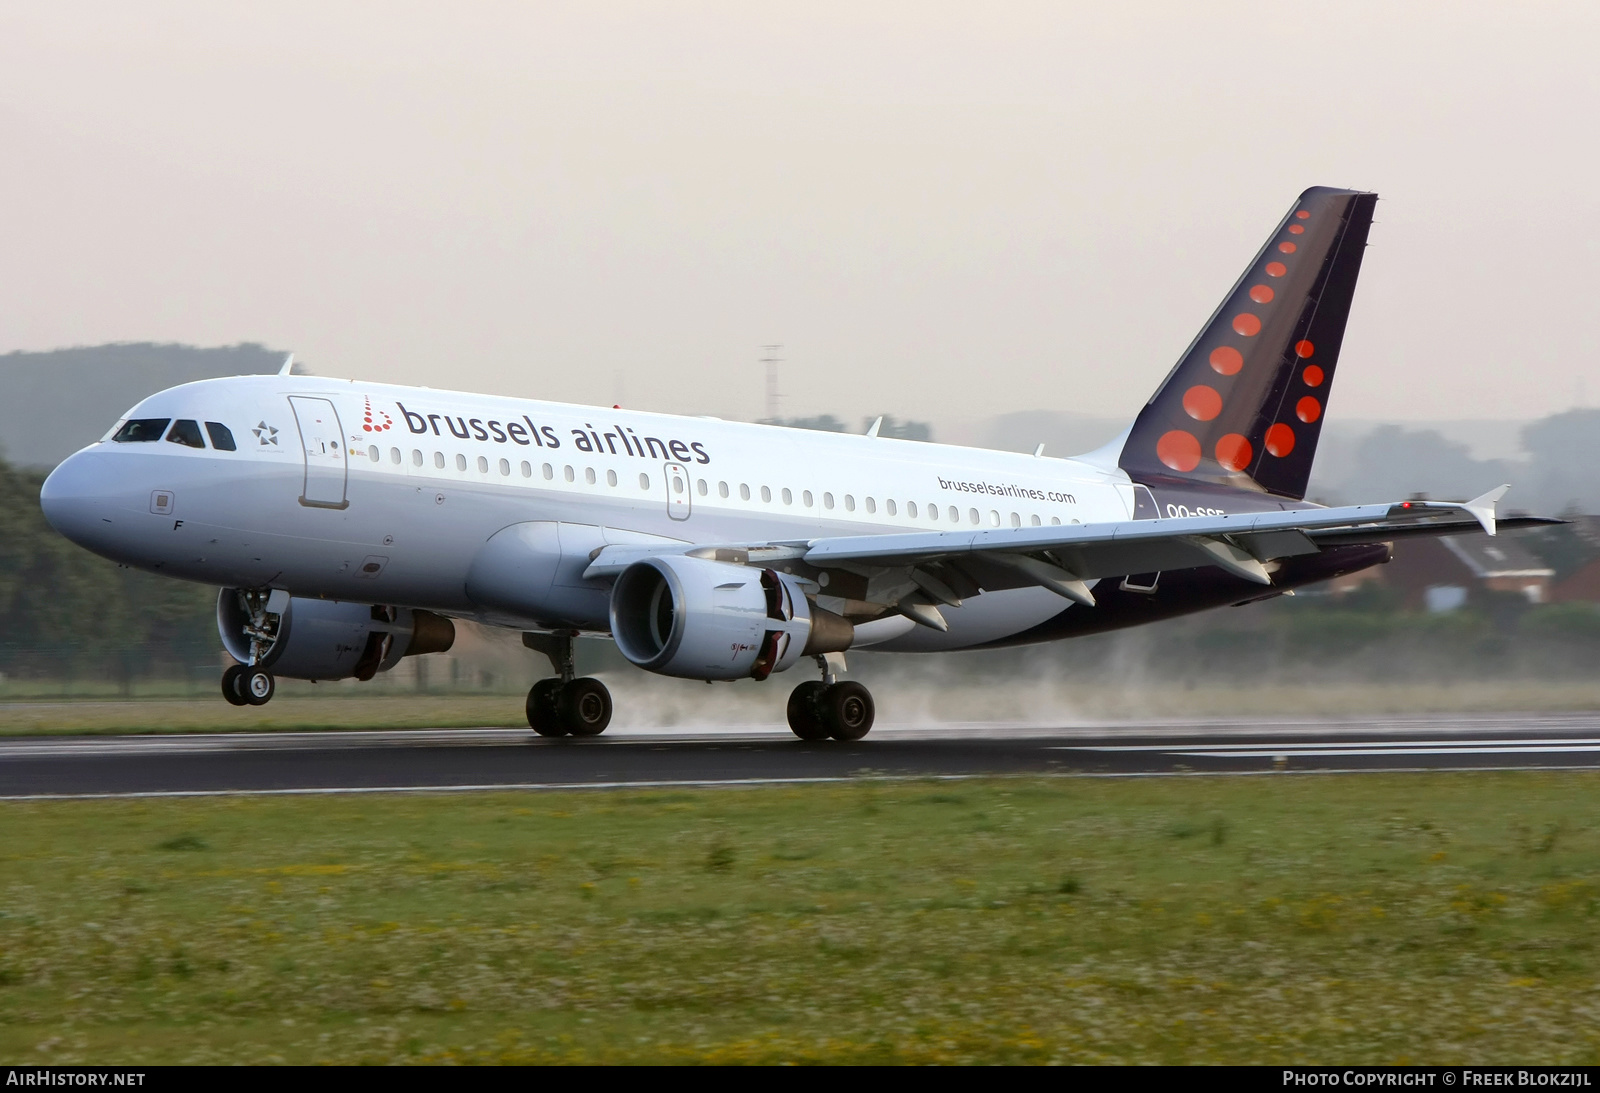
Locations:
830 633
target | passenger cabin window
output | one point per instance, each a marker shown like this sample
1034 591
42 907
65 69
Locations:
141 430
744 492
221 437
187 433
788 497
805 496
911 508
373 453
644 483
416 458
766 494
461 462
438 460
700 485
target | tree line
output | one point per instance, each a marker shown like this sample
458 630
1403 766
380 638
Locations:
67 613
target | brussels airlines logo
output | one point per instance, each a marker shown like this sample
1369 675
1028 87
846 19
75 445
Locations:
618 439
370 426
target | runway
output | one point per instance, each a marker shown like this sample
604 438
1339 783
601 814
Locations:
512 758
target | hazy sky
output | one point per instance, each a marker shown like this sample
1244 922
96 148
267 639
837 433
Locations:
940 210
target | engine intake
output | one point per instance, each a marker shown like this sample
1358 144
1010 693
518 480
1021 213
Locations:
327 639
701 619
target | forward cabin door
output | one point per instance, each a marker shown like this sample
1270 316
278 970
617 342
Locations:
677 491
322 441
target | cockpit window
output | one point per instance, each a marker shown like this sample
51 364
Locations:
187 433
221 437
141 429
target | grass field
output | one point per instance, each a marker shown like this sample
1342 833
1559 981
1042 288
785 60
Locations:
1441 918
902 699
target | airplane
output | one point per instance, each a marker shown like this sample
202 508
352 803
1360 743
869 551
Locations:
348 523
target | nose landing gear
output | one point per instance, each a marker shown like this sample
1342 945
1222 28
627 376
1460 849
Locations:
819 709
565 706
250 684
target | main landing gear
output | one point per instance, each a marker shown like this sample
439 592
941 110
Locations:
565 706
246 686
820 709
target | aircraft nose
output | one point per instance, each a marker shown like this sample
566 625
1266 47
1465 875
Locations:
76 498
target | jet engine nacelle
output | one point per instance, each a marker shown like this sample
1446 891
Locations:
700 619
327 639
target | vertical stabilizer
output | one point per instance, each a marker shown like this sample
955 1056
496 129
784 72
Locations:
1243 408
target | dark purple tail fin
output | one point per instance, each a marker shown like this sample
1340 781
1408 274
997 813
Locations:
1244 406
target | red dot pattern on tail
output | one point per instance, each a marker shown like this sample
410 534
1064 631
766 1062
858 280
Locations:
1233 452
1226 360
1179 450
1202 403
1280 440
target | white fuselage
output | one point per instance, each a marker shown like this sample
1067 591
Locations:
376 493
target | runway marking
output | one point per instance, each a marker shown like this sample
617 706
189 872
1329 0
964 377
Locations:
754 783
1355 747
1304 752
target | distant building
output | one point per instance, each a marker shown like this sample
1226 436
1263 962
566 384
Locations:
1582 587
1449 573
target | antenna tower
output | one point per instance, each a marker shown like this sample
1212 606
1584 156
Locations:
771 359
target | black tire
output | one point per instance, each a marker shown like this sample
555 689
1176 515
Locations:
258 686
542 715
805 711
847 710
233 685
585 707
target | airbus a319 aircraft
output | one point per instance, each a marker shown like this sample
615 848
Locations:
349 522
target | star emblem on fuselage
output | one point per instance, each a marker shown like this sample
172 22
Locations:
265 434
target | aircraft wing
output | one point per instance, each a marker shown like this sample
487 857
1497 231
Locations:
1063 558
